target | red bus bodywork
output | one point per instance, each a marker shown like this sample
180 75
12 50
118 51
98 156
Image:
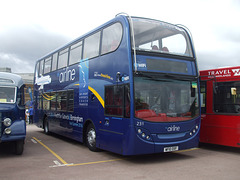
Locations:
220 97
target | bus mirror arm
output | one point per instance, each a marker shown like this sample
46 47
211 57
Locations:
121 77
118 77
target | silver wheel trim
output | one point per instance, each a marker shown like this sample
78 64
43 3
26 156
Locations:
91 137
46 126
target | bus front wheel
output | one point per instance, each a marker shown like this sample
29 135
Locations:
19 146
91 138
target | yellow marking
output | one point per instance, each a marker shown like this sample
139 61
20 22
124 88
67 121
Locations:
97 95
96 162
47 97
186 150
57 156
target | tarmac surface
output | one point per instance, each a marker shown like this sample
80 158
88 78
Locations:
56 157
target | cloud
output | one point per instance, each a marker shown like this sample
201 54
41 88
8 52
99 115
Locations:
213 24
217 59
21 46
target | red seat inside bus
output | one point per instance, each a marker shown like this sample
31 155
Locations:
150 115
145 113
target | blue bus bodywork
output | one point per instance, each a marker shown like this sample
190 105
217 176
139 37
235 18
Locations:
12 110
101 93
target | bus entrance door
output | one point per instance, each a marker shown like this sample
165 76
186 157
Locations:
111 133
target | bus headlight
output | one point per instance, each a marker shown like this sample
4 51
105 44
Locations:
7 131
143 135
7 122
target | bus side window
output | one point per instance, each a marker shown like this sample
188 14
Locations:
54 61
20 97
41 68
46 101
226 99
75 53
91 46
37 70
62 101
117 100
114 100
127 101
112 37
47 65
70 103
63 58
53 101
39 102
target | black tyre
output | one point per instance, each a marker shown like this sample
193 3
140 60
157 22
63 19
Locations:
19 147
91 138
46 126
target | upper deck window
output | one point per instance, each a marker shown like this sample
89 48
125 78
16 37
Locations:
41 67
54 62
47 66
75 53
157 36
63 58
112 37
91 46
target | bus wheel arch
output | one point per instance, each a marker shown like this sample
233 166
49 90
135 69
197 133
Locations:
90 136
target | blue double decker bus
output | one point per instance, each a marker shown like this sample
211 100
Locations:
12 111
129 86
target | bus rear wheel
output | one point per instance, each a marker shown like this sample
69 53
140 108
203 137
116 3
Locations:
45 126
91 138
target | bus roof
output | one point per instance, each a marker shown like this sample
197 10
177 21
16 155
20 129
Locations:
10 79
115 19
221 73
119 16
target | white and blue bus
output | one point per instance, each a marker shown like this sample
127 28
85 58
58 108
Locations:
129 86
12 111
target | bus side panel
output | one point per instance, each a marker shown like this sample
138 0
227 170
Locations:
102 72
218 128
221 129
133 145
209 97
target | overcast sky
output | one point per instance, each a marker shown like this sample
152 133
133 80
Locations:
29 29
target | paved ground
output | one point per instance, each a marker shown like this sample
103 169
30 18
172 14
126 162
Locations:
55 157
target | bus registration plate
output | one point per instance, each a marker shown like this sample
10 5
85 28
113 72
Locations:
170 149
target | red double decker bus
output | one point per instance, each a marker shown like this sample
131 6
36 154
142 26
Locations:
220 97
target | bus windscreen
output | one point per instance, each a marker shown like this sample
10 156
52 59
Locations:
7 94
